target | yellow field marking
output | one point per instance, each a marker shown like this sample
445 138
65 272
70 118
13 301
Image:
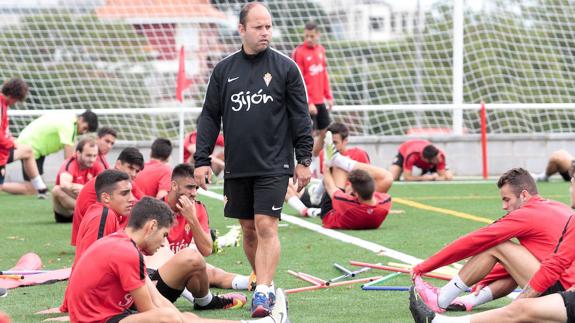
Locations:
458 214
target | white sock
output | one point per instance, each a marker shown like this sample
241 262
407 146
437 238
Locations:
38 183
272 288
297 204
188 296
240 282
450 291
203 301
262 289
343 162
485 295
447 319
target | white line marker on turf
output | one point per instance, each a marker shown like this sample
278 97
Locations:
373 247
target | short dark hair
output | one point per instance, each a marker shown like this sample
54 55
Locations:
91 118
430 151
518 179
161 149
107 180
339 128
88 140
362 183
15 88
182 170
311 25
107 131
246 10
133 156
147 209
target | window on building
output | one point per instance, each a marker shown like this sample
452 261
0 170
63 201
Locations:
377 23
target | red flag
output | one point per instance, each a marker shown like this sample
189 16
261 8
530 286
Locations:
182 83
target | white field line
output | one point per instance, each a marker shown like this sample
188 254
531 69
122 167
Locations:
373 247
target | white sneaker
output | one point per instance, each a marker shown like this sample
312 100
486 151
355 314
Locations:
280 311
328 149
313 212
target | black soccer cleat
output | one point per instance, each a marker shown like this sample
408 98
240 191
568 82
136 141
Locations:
420 312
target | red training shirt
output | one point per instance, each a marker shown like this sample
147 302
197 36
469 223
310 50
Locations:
558 265
79 175
412 152
98 222
191 139
355 153
85 199
313 66
537 225
181 235
101 283
6 141
348 213
155 176
102 161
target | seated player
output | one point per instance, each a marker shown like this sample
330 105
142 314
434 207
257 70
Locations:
560 162
360 205
556 307
424 155
217 156
106 140
48 134
74 173
154 179
108 215
192 229
130 161
111 276
496 262
13 91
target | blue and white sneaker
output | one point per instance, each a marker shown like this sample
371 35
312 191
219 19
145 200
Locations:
260 305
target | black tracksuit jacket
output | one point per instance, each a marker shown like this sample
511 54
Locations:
262 102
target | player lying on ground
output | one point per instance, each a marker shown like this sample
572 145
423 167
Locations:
355 192
497 265
111 279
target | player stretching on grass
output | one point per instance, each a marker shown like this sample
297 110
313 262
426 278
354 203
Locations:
361 204
106 140
535 222
259 96
13 91
154 179
111 277
557 307
422 154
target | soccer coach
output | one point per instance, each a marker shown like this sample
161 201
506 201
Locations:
259 95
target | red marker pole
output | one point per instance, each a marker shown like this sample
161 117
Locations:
484 139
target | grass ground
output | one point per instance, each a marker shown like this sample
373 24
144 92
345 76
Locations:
28 226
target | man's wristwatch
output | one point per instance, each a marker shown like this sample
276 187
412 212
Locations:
306 162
